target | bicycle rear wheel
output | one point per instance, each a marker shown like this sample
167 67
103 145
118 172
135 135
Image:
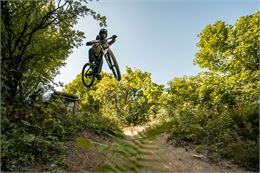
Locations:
88 74
113 65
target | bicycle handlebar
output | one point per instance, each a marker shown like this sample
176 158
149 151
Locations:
97 41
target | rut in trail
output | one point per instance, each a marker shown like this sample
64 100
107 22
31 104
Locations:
140 154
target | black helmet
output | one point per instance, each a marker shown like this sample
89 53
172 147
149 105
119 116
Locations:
102 33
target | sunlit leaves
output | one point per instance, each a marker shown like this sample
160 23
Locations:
132 100
230 49
36 39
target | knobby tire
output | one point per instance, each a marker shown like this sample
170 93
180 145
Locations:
113 65
88 75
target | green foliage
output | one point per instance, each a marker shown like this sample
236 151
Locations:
101 125
36 39
219 108
48 148
84 142
108 168
133 100
87 101
152 132
230 49
34 136
124 157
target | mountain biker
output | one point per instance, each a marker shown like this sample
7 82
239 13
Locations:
96 48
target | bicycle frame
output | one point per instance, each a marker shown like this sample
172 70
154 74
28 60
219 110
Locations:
104 47
96 66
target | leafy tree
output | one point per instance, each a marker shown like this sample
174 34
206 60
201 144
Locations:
181 91
36 38
230 49
219 108
86 95
232 52
132 100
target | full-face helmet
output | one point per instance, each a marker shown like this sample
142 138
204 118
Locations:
102 34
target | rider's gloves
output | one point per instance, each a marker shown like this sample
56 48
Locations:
88 43
114 36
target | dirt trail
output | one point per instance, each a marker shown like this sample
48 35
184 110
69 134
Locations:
159 156
136 153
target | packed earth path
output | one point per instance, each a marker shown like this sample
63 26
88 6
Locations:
160 155
137 153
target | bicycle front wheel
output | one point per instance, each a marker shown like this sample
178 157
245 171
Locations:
88 75
113 65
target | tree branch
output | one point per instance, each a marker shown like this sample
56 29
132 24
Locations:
42 24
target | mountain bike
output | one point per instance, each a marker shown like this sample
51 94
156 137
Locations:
91 69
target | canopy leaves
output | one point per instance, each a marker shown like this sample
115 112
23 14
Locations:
230 49
36 39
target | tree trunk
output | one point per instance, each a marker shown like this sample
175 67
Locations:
9 86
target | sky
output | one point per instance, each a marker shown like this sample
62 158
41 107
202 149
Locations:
156 36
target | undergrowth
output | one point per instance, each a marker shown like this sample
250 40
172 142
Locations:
33 135
233 133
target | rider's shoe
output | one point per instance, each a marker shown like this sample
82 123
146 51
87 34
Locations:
98 76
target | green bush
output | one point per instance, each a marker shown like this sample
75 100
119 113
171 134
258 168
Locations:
34 134
189 125
232 133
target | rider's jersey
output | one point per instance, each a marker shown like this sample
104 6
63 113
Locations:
97 46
